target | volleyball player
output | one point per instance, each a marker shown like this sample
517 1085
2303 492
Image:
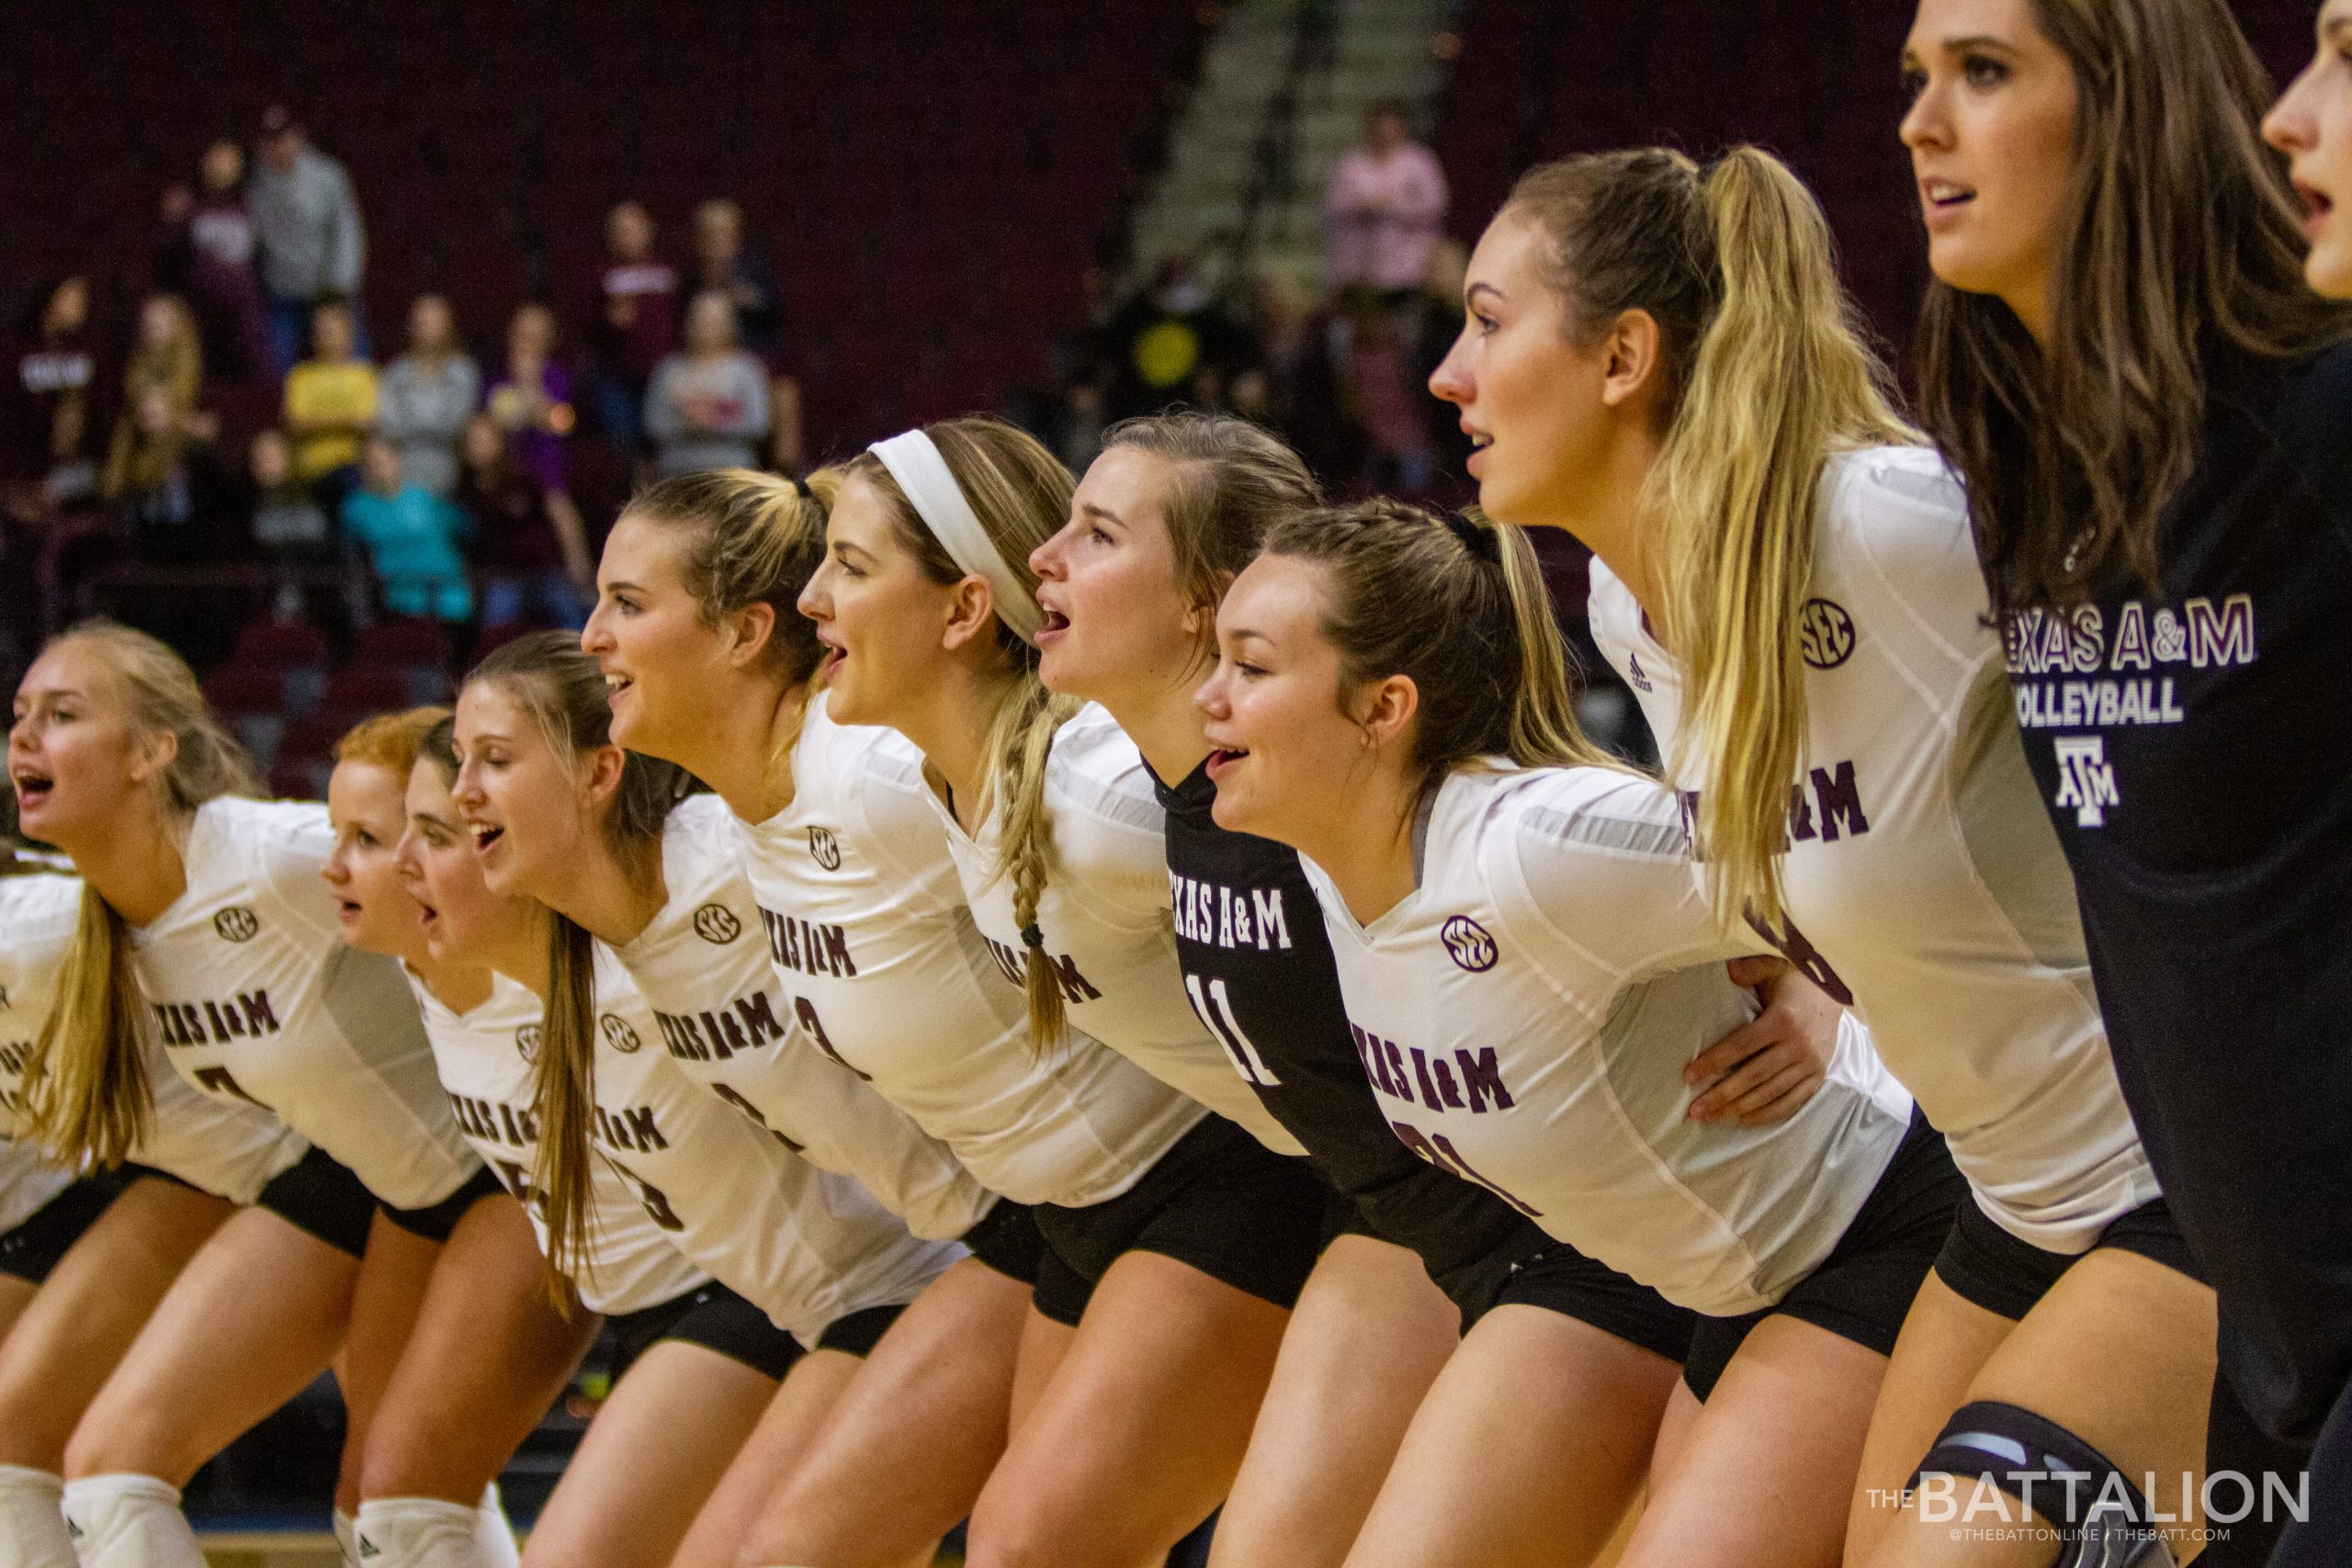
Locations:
926 603
2120 357
210 907
1527 967
669 901
558 810
669 1465
80 1271
713 667
1174 508
1685 393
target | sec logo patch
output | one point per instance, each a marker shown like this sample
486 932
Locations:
826 848
619 1035
1469 944
1825 634
237 924
526 1042
717 923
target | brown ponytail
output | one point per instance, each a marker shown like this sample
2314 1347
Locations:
86 1095
550 678
1457 607
1767 371
1021 493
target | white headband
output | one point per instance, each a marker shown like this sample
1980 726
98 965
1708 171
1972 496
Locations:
930 487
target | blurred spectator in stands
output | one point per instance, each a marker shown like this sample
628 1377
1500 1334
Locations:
307 219
206 258
1169 343
290 527
426 396
709 406
148 472
410 536
1383 208
533 553
329 405
722 263
531 398
1382 392
636 323
787 435
49 463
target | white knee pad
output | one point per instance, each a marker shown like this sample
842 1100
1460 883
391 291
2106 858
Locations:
418 1532
128 1521
33 1519
346 1538
494 1537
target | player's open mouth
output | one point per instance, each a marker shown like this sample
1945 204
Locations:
427 916
31 787
615 685
1222 761
485 836
1051 621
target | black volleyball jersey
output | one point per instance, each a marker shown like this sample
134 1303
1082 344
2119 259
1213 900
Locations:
2194 748
1259 970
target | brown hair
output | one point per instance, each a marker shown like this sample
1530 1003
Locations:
746 538
2184 240
1021 493
1457 607
86 1095
1766 371
1229 481
390 741
562 689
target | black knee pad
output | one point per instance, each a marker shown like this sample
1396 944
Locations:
2097 1511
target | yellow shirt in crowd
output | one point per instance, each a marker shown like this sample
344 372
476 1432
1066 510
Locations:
340 396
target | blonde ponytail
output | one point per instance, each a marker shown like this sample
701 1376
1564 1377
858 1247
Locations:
1765 372
563 1100
86 1095
1782 377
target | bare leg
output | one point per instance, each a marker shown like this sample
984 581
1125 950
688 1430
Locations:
786 1430
488 1354
59 1351
1137 1435
1328 1432
1767 1468
2119 1353
907 1446
254 1317
385 1302
1946 1341
651 1460
1545 1421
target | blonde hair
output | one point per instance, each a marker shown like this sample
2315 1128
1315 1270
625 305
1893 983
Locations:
1021 493
563 691
744 538
85 1089
1767 371
1457 607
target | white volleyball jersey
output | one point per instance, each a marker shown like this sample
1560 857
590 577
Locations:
810 1247
1108 919
727 1020
1922 871
1525 1016
256 999
229 1149
867 928
484 1058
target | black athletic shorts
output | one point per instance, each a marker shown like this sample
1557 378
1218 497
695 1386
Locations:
1863 1289
713 1317
1007 1239
32 1249
1536 1269
319 1194
2006 1274
1343 1216
1218 1200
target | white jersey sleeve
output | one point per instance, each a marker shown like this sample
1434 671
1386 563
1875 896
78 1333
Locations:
868 929
1109 922
484 1057
810 1247
726 1021
1525 1015
255 998
229 1149
1923 879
